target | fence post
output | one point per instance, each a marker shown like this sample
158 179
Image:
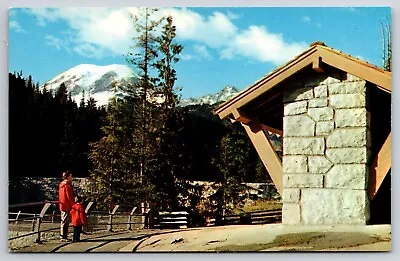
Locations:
143 216
109 225
129 225
33 222
54 213
39 221
89 205
16 219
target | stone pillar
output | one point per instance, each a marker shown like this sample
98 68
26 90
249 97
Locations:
326 143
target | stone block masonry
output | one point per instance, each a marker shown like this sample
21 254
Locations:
326 145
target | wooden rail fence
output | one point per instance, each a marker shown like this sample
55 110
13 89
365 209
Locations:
147 218
177 219
39 218
255 217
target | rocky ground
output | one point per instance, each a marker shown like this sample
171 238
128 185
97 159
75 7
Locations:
238 238
274 237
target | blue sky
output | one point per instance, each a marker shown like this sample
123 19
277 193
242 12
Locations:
222 46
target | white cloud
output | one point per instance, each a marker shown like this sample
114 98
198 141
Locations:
16 27
97 30
187 57
352 9
202 52
309 21
58 43
306 19
212 31
11 12
199 52
109 31
54 41
259 44
89 50
231 15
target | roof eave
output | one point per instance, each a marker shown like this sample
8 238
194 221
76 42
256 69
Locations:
330 56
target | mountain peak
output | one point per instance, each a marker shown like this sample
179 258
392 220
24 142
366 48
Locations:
225 94
96 81
230 88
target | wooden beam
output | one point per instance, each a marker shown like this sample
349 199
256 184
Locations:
273 130
240 116
361 70
266 83
380 167
269 99
267 154
317 64
316 56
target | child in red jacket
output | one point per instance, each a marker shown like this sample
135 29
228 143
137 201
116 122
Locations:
78 218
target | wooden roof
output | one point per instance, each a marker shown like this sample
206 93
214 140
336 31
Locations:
314 57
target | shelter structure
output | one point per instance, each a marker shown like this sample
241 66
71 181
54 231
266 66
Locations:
334 114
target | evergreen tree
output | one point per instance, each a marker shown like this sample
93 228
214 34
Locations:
234 162
386 46
143 59
114 178
169 119
45 131
141 134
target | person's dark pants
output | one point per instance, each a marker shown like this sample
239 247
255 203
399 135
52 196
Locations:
77 234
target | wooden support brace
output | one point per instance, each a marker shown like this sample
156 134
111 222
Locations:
380 167
273 130
317 64
240 116
266 152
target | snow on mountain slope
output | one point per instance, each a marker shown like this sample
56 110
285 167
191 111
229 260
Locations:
225 94
95 81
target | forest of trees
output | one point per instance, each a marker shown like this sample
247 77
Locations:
134 149
50 133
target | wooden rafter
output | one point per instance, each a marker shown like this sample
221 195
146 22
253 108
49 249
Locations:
268 100
360 69
266 152
380 167
264 85
240 116
270 129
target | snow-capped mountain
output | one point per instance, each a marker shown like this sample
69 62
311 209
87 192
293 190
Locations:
94 81
225 94
98 81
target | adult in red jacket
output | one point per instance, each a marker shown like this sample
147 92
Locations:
79 219
66 200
